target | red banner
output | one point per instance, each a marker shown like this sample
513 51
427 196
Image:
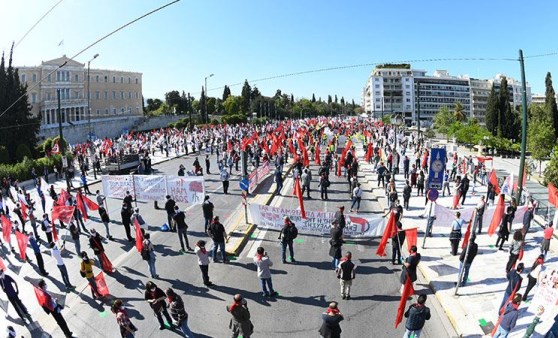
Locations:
408 291
411 237
139 236
43 298
467 235
498 215
22 241
389 232
298 193
102 287
6 229
552 195
494 180
81 207
63 213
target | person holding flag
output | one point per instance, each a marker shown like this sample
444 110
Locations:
51 306
515 248
86 271
56 254
409 269
514 284
417 314
509 317
46 226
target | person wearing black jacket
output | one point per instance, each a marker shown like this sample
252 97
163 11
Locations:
218 234
207 208
514 284
480 212
126 215
466 263
156 299
287 235
417 315
51 306
335 244
396 242
169 207
505 227
464 188
181 227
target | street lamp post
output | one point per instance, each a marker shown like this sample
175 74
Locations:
89 97
206 117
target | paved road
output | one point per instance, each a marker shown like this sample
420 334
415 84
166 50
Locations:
305 287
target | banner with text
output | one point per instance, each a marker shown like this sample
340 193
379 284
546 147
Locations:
445 216
258 175
183 189
316 222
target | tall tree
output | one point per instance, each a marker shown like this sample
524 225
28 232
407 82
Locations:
540 135
153 104
172 98
203 106
458 112
313 98
292 99
491 116
11 89
245 94
226 93
342 100
335 98
550 103
508 119
329 100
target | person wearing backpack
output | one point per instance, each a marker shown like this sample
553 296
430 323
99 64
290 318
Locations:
324 184
288 233
148 254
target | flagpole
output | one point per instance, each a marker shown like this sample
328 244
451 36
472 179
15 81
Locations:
460 274
134 190
426 229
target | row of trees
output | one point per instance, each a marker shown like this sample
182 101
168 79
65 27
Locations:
251 100
18 134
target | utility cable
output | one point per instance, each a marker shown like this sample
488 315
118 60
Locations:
36 23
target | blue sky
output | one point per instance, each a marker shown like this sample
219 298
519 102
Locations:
249 39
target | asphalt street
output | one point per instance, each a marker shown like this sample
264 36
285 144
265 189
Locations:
305 287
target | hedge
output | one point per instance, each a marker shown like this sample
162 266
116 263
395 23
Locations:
22 170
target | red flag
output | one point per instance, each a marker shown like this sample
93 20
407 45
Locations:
552 194
6 228
64 197
55 149
63 213
24 210
369 152
92 206
44 299
467 235
306 160
389 232
102 287
521 251
2 265
139 235
411 237
22 241
512 296
498 215
408 291
81 207
298 193
229 146
105 263
317 154
291 148
494 180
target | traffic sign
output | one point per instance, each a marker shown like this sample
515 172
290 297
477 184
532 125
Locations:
244 184
432 194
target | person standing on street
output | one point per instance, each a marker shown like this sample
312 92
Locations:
126 216
264 264
46 226
340 218
127 329
467 261
406 194
219 236
100 198
36 246
207 208
330 322
74 233
181 228
106 221
324 184
410 267
534 275
54 309
86 271
128 199
509 318
169 207
464 188
178 313
548 232
96 243
481 206
505 228
55 252
515 248
336 242
514 284
156 299
288 233
225 176
527 218
11 289
455 234
417 315
346 274
203 261
357 196
207 164
148 254
396 242
305 179
240 323
278 178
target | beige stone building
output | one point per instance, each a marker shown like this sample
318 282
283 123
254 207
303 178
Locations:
114 94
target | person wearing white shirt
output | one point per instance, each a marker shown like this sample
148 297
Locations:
357 196
61 266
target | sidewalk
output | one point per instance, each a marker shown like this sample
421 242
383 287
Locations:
473 312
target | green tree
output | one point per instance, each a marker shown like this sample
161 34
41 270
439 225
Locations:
172 98
329 99
153 104
211 105
491 116
203 106
551 170
550 103
508 119
313 98
226 93
540 135
443 119
233 105
458 112
245 94
342 101
335 98
14 94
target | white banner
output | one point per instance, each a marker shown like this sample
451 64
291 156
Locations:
445 216
186 189
115 186
317 222
150 187
258 175
546 295
183 189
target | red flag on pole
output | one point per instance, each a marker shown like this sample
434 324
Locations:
2 265
389 232
24 210
139 236
467 235
494 180
102 287
306 160
552 194
63 213
81 207
22 241
43 298
408 291
317 154
64 197
6 228
89 203
369 152
498 215
411 237
298 193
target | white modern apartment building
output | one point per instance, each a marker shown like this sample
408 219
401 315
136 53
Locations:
400 89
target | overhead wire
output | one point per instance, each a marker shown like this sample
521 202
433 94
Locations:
36 23
85 49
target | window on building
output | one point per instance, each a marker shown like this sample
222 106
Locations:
49 79
106 95
97 95
106 79
129 80
76 78
114 111
33 97
377 86
377 99
106 111
34 77
48 96
136 95
122 95
23 78
129 95
378 106
98 112
114 79
136 80
408 100
377 93
97 78
122 79
114 95
122 111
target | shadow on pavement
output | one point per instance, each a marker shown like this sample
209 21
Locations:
249 295
192 290
378 298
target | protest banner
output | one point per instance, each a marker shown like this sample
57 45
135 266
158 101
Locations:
258 175
546 295
316 222
115 186
186 189
445 216
150 187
